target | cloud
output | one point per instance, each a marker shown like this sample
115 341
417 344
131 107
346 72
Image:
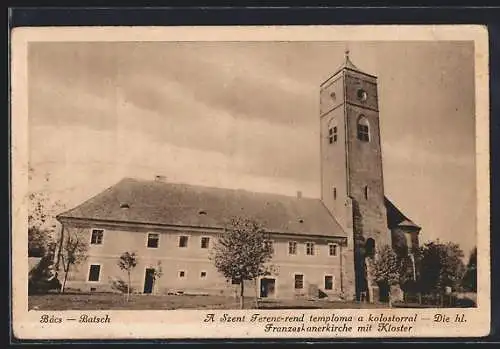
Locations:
178 106
79 168
226 78
407 151
274 148
246 115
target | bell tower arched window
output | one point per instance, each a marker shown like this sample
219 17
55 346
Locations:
332 132
363 129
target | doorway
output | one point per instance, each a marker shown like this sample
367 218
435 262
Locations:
370 248
267 287
149 280
384 291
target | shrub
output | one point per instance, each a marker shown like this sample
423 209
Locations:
120 285
42 278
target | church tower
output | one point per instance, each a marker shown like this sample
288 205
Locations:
352 186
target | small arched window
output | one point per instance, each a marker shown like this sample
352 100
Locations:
332 132
334 193
363 129
366 192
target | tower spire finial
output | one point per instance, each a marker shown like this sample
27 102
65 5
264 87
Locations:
346 53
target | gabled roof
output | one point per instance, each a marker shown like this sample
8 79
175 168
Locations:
396 218
163 203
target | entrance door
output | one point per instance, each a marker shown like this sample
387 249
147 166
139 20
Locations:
148 280
384 291
267 287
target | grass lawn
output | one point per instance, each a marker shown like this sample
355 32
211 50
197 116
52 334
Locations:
108 301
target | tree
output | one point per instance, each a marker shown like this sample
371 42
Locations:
441 266
386 268
127 262
41 219
469 281
157 274
40 242
73 251
42 278
241 252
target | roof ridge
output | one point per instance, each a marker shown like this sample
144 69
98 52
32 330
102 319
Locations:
218 188
170 203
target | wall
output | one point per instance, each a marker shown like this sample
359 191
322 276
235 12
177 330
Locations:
334 167
193 260
314 268
364 171
333 156
365 160
400 239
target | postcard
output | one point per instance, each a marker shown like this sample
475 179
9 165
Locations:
250 182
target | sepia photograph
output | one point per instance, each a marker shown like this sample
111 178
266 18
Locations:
250 176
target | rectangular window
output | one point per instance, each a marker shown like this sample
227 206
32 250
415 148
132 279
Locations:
310 248
235 281
299 281
203 274
332 249
205 242
94 271
182 273
183 241
328 282
292 247
332 134
334 193
96 238
153 240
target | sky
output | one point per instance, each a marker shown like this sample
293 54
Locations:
246 115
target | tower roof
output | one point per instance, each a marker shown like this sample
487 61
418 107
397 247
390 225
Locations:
347 64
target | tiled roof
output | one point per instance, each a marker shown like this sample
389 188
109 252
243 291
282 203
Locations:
160 202
396 218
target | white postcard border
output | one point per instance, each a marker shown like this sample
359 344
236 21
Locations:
189 323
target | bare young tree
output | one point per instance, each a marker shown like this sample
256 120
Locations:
158 273
127 262
74 247
241 252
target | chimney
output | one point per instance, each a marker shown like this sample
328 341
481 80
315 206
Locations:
159 178
299 194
